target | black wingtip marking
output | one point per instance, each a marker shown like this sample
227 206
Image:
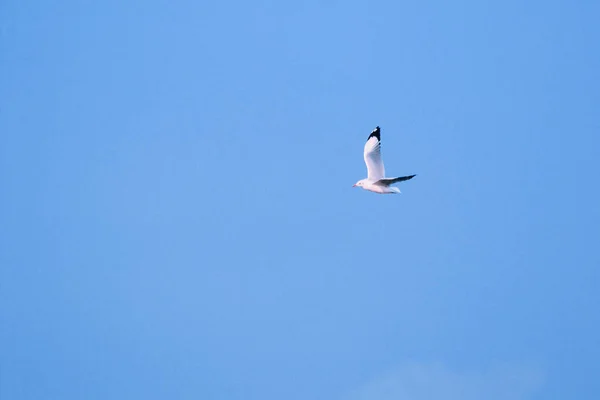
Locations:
404 178
376 132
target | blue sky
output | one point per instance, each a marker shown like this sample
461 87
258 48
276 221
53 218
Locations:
177 217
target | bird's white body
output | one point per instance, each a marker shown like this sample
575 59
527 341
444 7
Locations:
376 181
372 186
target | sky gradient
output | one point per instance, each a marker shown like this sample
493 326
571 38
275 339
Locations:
177 217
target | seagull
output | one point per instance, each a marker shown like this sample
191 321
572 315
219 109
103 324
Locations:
375 181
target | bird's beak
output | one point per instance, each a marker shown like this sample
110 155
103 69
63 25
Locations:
354 185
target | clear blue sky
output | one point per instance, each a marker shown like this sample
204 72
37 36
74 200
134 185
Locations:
177 219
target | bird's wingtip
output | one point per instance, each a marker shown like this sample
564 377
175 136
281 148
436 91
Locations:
375 133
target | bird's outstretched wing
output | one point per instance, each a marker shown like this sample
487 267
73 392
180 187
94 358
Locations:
372 156
389 181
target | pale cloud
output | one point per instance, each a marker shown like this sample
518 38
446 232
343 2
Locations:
435 381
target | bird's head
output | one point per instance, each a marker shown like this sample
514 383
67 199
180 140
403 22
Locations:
359 183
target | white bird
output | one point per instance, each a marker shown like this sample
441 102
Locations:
376 181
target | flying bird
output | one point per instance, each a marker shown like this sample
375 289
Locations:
376 181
